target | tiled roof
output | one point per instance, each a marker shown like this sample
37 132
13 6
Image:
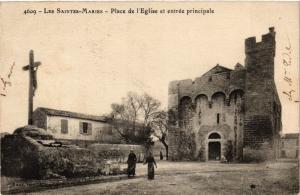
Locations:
69 114
218 69
291 135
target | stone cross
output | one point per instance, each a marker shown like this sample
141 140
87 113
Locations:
32 68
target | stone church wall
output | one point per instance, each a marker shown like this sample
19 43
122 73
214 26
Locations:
242 105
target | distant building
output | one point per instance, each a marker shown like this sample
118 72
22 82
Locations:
228 113
289 145
65 125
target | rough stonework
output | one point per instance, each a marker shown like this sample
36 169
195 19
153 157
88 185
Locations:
116 152
33 153
225 113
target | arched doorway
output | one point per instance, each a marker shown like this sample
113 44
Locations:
214 146
214 151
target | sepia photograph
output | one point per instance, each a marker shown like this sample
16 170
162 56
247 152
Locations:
136 98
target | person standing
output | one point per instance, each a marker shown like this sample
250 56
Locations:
131 162
161 155
151 162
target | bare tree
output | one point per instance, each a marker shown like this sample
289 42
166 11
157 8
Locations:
132 118
159 126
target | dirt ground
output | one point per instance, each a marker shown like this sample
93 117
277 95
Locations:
200 178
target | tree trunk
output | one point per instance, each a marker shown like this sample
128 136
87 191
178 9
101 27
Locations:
166 147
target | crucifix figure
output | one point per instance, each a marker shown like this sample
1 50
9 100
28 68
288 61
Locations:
32 68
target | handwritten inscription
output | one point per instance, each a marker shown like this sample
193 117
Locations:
5 81
287 63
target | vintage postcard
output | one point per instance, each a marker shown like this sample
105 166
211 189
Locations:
149 97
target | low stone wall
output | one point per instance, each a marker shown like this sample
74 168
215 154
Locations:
257 154
116 152
23 156
79 143
31 152
289 153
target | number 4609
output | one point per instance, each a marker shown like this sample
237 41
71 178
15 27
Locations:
30 11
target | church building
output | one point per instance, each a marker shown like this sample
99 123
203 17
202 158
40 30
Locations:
228 114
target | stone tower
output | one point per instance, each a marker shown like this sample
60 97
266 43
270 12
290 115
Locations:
263 109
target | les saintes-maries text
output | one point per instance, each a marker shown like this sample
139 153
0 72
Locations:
144 11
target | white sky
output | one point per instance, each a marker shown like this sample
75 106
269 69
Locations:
91 61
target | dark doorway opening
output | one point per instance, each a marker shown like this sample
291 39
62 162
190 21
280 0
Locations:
214 151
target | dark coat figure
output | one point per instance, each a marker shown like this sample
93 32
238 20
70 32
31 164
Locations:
131 164
151 162
161 155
